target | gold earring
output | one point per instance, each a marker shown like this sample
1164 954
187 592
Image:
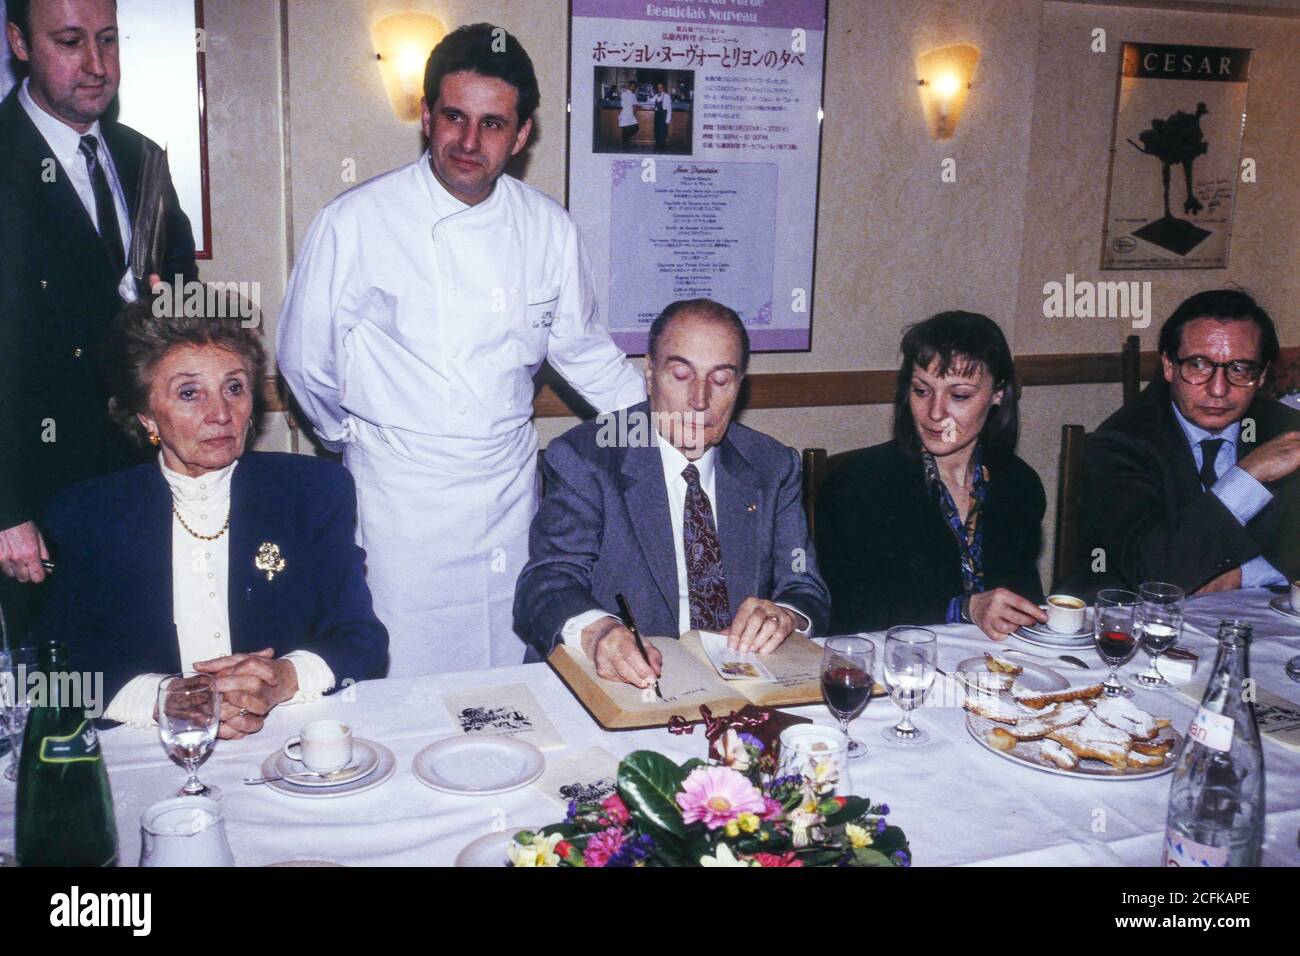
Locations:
154 439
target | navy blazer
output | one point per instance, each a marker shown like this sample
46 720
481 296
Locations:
111 592
604 528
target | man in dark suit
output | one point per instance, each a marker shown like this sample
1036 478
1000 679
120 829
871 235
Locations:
68 182
1197 481
696 520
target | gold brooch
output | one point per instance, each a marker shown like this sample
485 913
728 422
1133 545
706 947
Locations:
269 560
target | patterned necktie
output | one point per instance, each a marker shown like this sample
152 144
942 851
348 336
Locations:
710 609
105 209
1209 451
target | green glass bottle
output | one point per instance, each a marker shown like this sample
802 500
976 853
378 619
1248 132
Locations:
65 806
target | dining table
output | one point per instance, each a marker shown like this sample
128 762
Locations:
958 802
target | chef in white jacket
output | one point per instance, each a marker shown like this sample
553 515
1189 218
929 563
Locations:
421 305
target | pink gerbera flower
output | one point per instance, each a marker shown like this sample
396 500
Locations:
601 846
717 795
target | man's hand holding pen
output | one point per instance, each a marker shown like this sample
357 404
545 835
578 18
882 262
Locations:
612 647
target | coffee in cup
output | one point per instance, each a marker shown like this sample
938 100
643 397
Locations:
1065 614
323 746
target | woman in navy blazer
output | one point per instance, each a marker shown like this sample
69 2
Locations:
141 554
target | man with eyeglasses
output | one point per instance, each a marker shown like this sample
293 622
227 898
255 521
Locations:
1196 482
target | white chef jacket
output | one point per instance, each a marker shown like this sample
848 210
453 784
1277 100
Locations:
627 111
411 329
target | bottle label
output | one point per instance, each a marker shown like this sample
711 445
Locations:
79 746
1212 730
1180 851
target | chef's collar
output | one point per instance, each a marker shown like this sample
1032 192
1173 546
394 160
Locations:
444 203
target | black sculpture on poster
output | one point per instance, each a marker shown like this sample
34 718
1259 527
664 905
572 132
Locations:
1177 140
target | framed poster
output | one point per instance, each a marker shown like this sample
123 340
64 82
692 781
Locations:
1175 156
694 151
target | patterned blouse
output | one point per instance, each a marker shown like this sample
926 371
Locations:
969 535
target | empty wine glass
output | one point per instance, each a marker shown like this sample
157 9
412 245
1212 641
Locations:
1113 633
848 664
15 664
189 715
1158 622
911 656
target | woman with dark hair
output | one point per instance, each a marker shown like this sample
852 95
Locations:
243 565
943 523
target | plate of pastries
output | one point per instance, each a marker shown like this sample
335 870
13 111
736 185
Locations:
1075 731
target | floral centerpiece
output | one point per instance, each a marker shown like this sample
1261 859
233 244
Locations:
728 814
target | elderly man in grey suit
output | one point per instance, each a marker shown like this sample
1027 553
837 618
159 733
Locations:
697 521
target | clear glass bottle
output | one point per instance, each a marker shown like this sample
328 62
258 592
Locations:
1216 800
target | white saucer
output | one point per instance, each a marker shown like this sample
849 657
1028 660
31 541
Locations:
365 761
385 767
1033 677
1040 635
1282 604
489 850
478 765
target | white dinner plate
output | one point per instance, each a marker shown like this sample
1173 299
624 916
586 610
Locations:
365 761
385 767
1027 754
478 766
489 850
1034 676
1282 604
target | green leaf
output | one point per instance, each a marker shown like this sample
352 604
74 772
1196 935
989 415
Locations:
854 807
866 856
648 783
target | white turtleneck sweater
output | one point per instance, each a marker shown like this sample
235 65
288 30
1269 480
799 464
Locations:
200 596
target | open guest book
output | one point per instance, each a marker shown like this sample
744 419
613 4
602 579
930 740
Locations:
689 679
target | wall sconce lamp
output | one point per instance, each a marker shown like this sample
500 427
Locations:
403 42
945 77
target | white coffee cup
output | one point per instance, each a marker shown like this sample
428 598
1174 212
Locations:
323 746
1295 595
1065 613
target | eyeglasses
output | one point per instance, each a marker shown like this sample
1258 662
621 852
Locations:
1198 369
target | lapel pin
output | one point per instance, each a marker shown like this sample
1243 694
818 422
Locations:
751 508
268 559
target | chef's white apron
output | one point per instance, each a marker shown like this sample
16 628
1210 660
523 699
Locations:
444 523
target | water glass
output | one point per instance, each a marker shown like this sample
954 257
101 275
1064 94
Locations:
1159 624
911 659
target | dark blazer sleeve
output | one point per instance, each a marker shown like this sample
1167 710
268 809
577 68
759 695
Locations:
563 546
1144 535
345 633
796 577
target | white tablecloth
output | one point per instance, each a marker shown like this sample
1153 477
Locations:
958 802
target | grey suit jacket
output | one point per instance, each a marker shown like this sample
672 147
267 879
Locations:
604 529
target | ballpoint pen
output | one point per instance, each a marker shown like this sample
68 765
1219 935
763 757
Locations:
636 636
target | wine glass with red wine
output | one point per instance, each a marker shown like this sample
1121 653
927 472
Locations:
848 664
1113 631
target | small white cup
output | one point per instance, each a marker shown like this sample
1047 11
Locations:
818 753
184 831
323 746
1065 613
1295 595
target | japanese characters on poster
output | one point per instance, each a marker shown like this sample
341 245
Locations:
694 144
1175 160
